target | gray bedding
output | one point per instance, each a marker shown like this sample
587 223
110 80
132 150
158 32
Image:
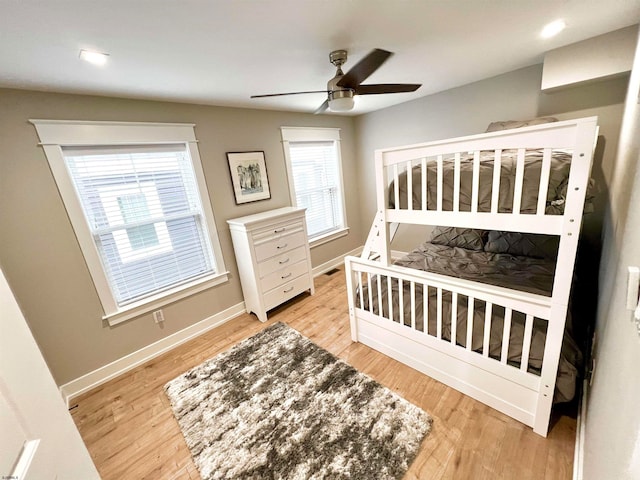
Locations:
529 274
557 188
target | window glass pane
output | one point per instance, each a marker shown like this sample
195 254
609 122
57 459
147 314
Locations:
144 212
133 208
316 177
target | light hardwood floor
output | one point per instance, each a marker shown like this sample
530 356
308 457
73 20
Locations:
130 431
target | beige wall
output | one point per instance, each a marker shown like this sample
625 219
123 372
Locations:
40 254
612 432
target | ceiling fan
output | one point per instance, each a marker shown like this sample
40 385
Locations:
342 88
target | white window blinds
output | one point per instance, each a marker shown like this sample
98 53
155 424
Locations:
314 168
316 177
144 212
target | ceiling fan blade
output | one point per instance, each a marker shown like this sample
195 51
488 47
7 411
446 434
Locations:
291 93
387 88
365 67
322 107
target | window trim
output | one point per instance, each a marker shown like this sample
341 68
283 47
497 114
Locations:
328 237
316 134
56 134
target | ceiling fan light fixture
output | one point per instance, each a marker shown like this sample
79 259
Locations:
341 104
341 100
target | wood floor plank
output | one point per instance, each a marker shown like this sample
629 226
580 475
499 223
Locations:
131 433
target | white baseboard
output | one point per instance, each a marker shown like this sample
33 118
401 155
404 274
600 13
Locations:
128 362
396 254
578 456
103 374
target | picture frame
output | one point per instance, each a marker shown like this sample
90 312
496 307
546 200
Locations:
249 176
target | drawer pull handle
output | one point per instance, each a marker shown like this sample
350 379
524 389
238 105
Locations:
286 276
282 246
279 230
288 290
282 262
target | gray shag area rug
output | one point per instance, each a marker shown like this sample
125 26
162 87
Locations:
277 406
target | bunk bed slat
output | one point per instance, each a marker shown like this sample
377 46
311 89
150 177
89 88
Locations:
397 190
506 334
424 183
360 289
390 297
526 343
370 291
456 183
475 181
425 303
413 305
454 317
487 329
409 186
470 305
544 181
519 179
400 302
495 187
440 183
379 283
439 314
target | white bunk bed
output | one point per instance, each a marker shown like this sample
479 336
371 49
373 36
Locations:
485 182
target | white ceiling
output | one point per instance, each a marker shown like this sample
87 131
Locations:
220 52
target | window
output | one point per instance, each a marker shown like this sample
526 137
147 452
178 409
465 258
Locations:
140 210
315 179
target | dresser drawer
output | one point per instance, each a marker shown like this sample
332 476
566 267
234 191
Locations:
284 275
287 291
279 262
276 231
279 245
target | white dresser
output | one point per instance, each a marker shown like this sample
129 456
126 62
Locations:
272 252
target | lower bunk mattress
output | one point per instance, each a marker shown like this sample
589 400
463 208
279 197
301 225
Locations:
534 275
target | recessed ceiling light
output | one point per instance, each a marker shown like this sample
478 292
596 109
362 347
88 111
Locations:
553 28
96 58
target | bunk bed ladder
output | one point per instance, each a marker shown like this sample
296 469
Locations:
374 246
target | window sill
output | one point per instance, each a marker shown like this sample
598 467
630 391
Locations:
328 237
148 304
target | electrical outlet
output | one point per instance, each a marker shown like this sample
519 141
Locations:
158 316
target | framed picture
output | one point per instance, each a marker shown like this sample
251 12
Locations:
249 176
